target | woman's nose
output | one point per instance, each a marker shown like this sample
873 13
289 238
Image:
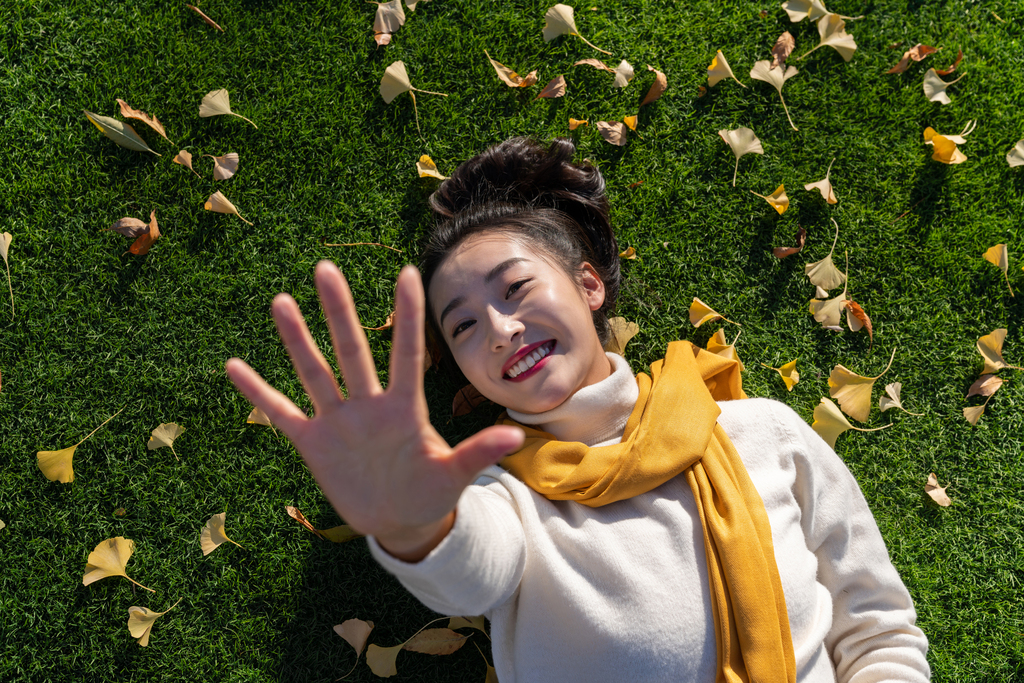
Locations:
504 329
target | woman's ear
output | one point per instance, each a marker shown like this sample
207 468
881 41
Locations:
593 286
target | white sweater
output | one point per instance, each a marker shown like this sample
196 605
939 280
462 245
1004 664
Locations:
620 592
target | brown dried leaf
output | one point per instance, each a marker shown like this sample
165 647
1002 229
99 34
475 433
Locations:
856 318
916 53
225 166
782 49
555 88
205 18
388 322
953 66
657 89
435 641
783 252
151 121
382 660
129 227
613 132
986 385
141 246
466 400
355 632
937 493
296 514
596 63
388 18
510 77
184 158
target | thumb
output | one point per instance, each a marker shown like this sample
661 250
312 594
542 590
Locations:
486 448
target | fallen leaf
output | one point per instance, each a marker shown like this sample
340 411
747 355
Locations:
613 132
340 534
5 245
218 103
657 88
221 204
974 413
205 18
782 49
638 184
788 374
381 660
224 167
829 423
554 88
829 312
720 69
468 622
428 169
142 244
702 91
576 123
718 346
596 63
623 74
164 436
185 159
935 87
824 186
778 199
945 149
121 133
388 18
621 332
916 53
213 534
355 632
961 138
141 619
388 323
990 346
466 399
820 293
559 21
151 121
783 252
892 399
762 71
258 417
629 254
110 558
120 512
701 313
741 141
630 122
832 30
856 318
396 81
798 10
986 385
854 391
938 494
953 66
824 273
435 641
997 256
510 77
2 524
1015 157
129 227
412 4
382 39
56 465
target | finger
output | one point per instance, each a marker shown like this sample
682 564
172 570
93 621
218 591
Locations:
278 407
350 345
316 375
406 375
485 448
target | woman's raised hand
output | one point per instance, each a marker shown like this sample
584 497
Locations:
377 458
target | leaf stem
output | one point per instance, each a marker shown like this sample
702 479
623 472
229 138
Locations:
737 80
244 119
735 171
430 92
891 358
863 429
810 51
829 168
244 221
138 584
98 429
591 44
786 109
837 236
11 287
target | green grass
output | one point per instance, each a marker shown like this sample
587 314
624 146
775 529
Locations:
97 330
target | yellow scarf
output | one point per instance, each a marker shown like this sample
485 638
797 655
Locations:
672 430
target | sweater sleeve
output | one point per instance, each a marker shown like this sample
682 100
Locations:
873 637
479 563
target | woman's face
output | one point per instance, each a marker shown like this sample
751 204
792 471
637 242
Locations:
500 307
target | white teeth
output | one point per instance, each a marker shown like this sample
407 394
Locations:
528 361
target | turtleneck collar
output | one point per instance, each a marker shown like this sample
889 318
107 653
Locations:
594 414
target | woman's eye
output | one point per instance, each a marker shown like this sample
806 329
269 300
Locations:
514 287
461 326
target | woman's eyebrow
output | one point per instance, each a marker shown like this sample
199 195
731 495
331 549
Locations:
488 278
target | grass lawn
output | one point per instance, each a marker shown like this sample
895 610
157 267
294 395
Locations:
96 330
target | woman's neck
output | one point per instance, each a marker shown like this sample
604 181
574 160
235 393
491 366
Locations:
594 414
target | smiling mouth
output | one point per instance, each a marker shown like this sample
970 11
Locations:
522 368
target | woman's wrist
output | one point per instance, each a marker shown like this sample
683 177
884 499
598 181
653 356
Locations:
414 544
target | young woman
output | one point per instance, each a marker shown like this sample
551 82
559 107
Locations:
643 528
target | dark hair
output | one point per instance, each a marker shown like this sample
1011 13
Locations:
536 192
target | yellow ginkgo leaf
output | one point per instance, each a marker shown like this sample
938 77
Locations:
630 121
258 417
798 10
110 558
719 69
56 465
5 244
623 74
937 493
832 30
218 103
221 204
184 158
701 313
388 18
788 374
854 391
717 345
559 20
1015 157
468 622
224 167
613 132
777 77
1000 258
935 87
778 199
382 659
340 534
657 88
824 186
990 346
892 399
974 413
576 123
396 81
164 435
510 77
2 524
824 273
140 622
355 632
428 169
829 312
829 422
946 151
961 138
741 141
628 254
621 332
119 131
213 534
